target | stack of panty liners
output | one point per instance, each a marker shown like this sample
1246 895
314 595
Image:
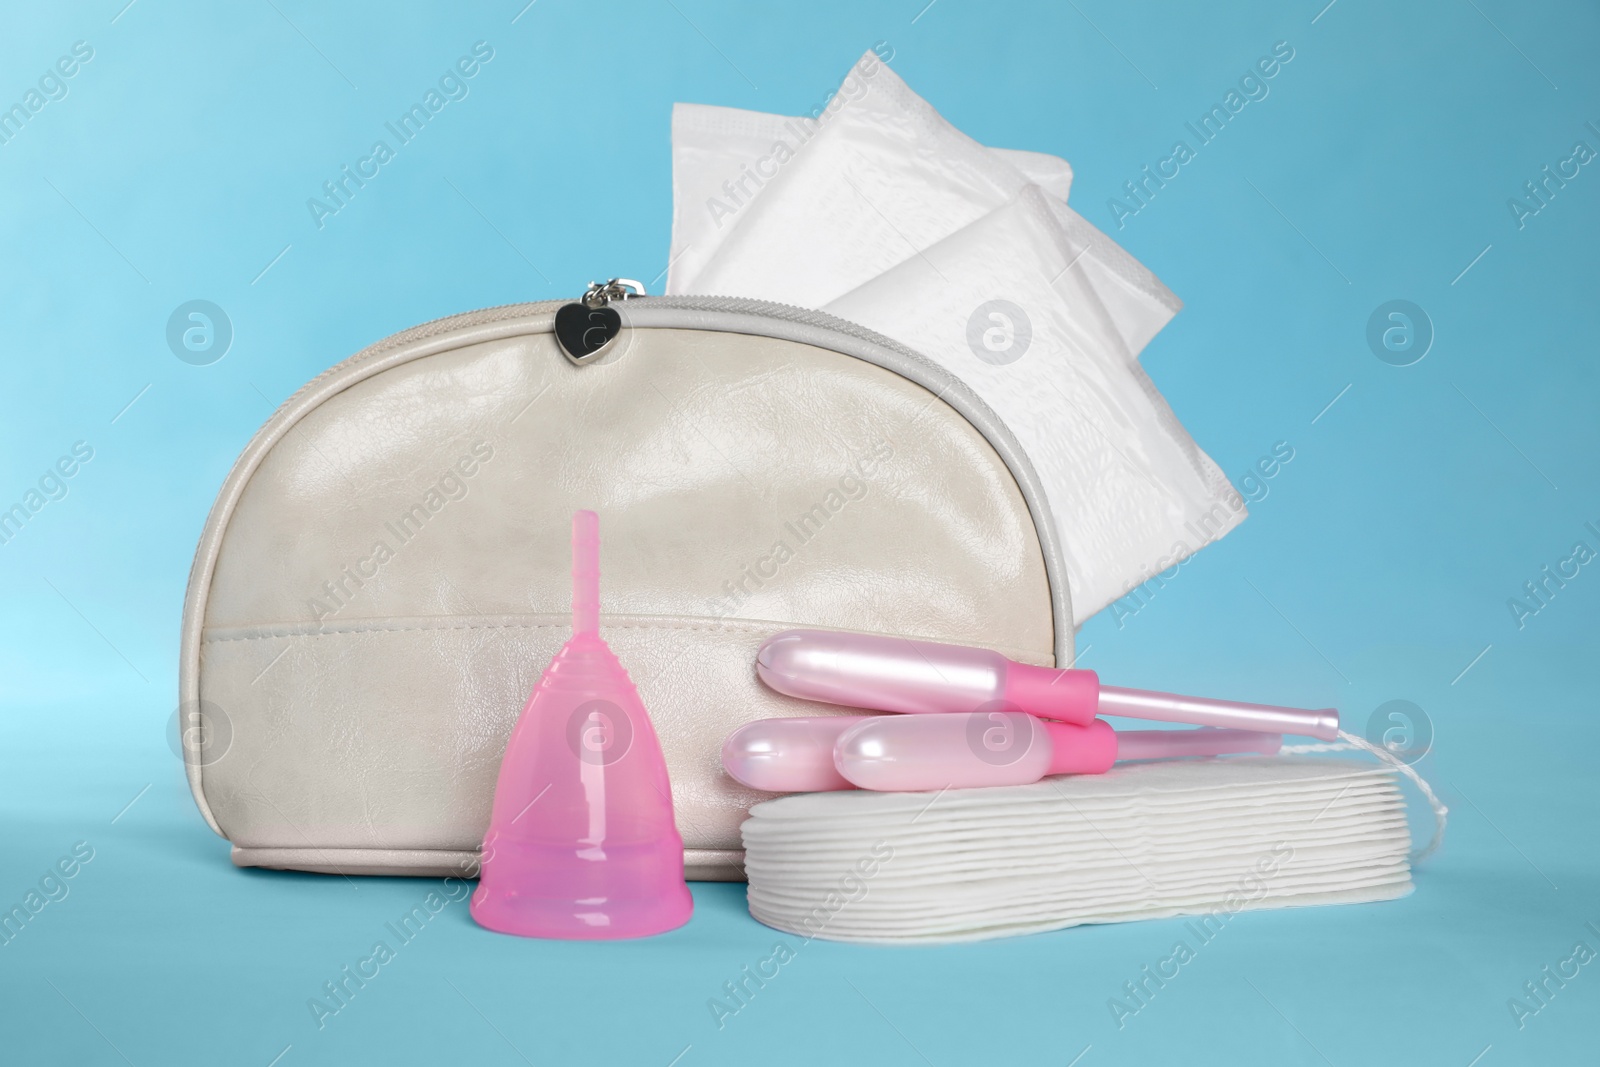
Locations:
1206 837
879 211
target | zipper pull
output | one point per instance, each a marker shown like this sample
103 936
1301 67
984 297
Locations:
586 328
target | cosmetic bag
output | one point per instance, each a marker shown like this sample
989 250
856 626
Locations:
385 573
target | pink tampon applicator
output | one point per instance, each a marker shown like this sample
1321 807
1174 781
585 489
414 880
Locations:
899 674
907 753
952 750
792 755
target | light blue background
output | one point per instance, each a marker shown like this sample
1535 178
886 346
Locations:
178 168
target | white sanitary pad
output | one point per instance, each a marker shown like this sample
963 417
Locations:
876 176
723 156
1202 837
1129 490
883 213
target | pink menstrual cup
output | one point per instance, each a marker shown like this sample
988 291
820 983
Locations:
581 843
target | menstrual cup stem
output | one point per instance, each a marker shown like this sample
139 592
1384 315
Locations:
585 572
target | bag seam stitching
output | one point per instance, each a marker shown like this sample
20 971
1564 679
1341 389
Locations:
486 626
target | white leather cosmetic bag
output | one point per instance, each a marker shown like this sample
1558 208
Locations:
384 575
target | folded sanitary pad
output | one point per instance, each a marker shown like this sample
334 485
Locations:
1208 838
800 210
1129 490
723 156
880 211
